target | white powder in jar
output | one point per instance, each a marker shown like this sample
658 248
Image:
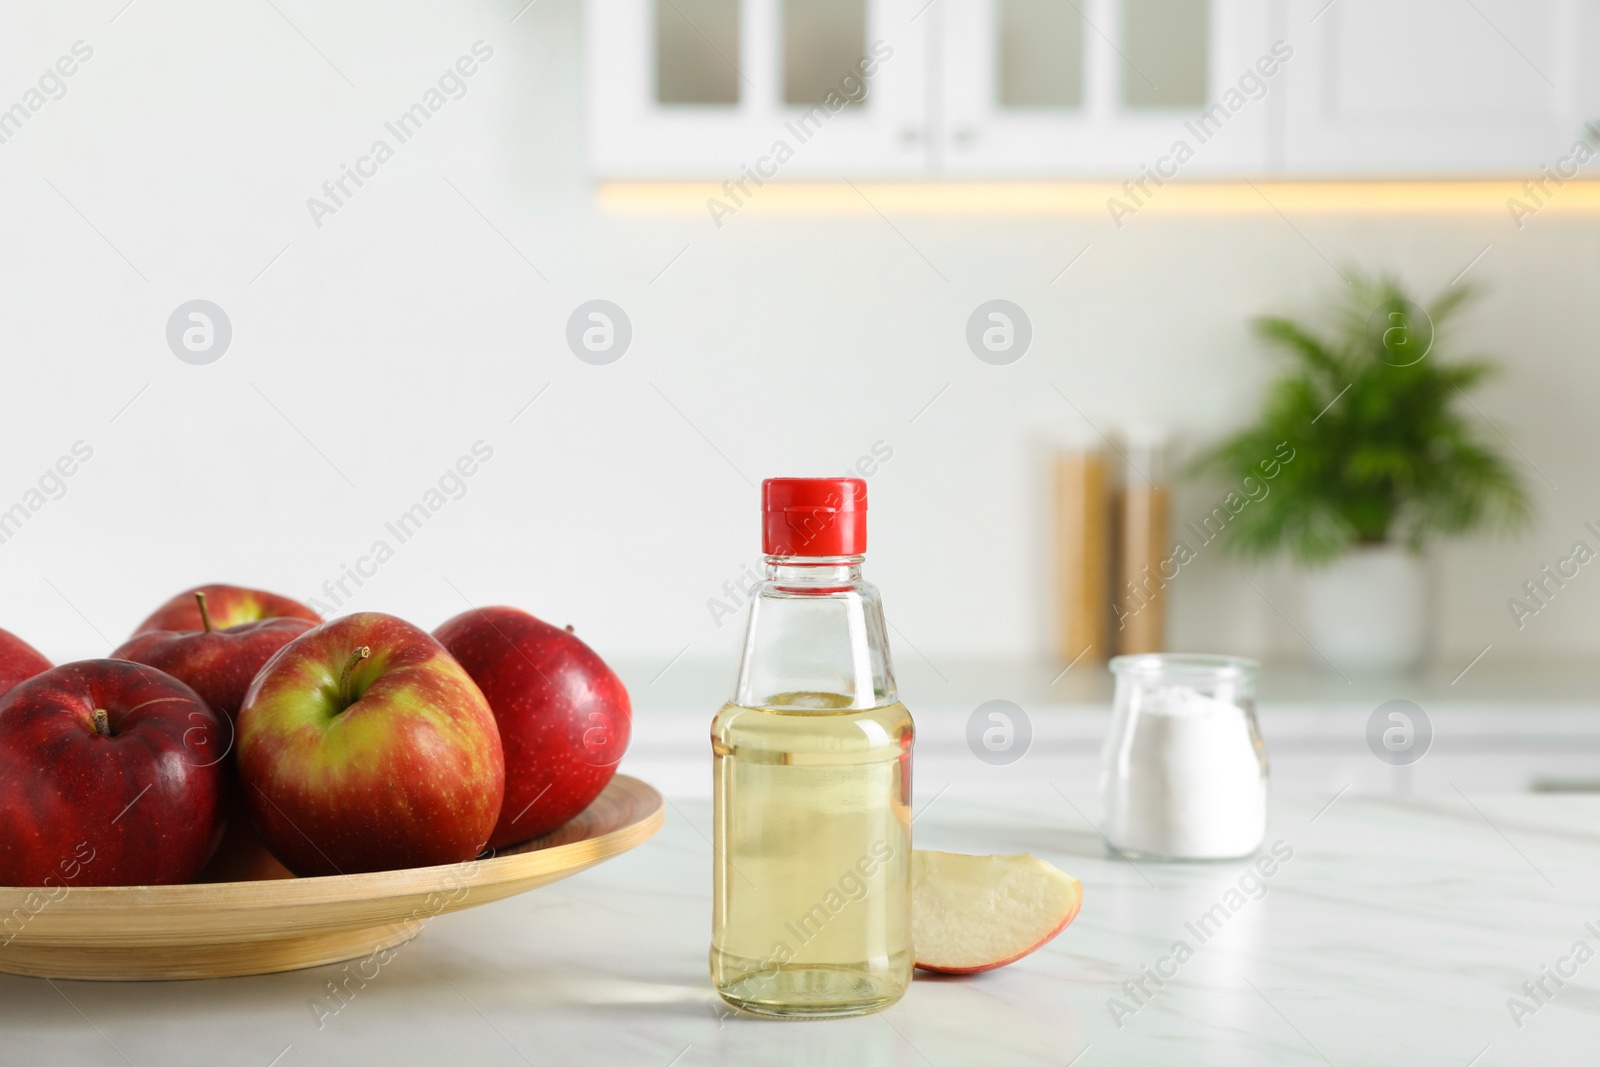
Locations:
1186 781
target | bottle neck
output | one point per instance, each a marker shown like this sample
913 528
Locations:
813 574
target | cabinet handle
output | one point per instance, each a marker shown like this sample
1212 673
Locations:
964 137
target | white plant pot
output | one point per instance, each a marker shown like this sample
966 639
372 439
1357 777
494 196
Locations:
1368 612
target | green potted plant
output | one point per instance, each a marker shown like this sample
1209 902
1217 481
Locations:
1387 459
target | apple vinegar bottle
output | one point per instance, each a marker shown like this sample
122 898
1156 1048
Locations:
811 907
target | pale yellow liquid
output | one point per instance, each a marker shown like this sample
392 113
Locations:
812 888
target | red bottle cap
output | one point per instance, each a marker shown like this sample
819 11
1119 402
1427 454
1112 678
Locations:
814 517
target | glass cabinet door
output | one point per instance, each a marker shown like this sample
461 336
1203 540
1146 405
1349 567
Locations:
1104 88
724 89
697 53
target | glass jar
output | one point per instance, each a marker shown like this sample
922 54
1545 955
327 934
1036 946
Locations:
1183 771
811 888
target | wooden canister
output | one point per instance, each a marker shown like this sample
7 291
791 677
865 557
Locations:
1142 517
1083 555
1141 603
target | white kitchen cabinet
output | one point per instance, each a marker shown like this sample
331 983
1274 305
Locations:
1137 91
1437 87
1158 87
737 115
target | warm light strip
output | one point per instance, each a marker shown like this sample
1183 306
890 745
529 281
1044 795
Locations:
1084 198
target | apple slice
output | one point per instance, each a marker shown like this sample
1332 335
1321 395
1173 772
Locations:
976 913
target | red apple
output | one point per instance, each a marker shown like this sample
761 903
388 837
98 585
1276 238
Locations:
217 664
19 661
564 716
363 746
110 774
229 606
976 913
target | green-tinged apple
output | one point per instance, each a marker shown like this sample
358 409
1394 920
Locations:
364 746
564 715
228 605
111 773
19 661
976 913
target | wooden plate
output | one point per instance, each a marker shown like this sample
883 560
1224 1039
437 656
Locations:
223 929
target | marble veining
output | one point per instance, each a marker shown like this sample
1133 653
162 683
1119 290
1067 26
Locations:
1395 933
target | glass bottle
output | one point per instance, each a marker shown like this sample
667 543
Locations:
812 777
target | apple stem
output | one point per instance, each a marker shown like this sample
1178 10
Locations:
102 722
205 613
350 665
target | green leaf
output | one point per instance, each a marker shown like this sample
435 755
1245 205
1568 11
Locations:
1383 452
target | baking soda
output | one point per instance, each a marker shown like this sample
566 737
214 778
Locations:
1188 781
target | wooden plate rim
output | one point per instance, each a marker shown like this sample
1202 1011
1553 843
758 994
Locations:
521 861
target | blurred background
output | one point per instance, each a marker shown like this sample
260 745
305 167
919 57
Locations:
985 253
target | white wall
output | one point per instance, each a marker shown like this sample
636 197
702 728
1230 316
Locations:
406 328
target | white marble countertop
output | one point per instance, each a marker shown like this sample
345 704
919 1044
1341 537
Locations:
1394 935
1498 727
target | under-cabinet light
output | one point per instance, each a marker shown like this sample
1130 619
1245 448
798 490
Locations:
1082 198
